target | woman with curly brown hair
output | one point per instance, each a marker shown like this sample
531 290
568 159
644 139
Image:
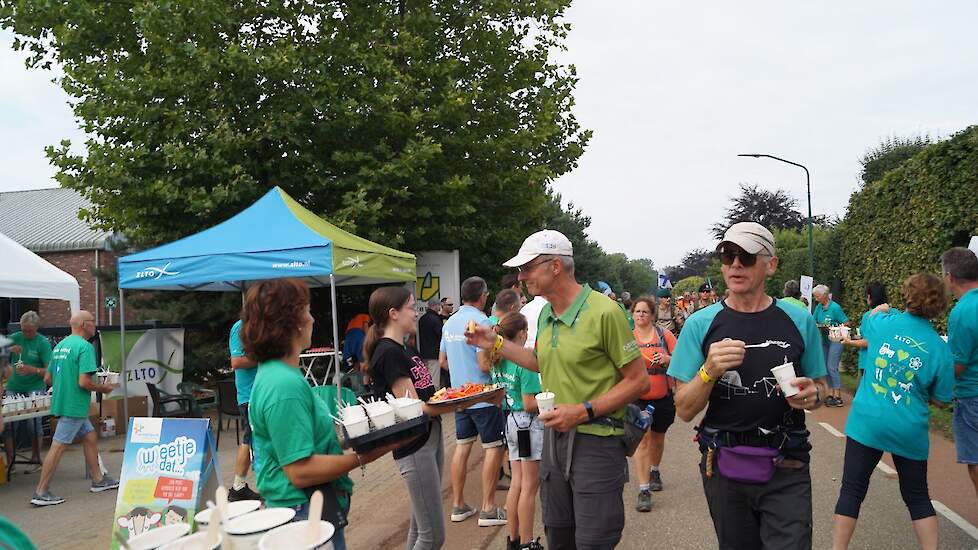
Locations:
292 430
908 366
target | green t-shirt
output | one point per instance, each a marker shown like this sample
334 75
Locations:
962 336
518 381
581 351
36 353
13 537
795 302
288 424
71 358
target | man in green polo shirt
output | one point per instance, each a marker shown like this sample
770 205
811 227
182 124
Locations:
30 354
72 365
588 357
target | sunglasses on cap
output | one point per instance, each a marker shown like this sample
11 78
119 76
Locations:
746 259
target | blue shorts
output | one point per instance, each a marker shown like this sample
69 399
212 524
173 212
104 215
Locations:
966 429
70 428
486 422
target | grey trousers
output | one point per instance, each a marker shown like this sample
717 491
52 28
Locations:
422 472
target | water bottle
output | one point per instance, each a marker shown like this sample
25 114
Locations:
644 419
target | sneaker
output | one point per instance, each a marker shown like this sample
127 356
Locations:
512 544
839 402
244 493
32 469
644 501
462 513
106 484
46 499
655 483
830 401
533 545
493 517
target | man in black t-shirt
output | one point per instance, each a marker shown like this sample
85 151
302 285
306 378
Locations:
429 338
723 361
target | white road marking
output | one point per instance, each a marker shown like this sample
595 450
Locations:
831 429
954 518
885 468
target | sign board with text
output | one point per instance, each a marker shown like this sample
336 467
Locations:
437 277
805 284
168 470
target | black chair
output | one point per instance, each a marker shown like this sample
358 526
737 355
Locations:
186 404
227 404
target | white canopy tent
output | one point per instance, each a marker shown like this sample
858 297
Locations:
27 275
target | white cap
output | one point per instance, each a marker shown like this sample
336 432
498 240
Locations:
751 236
546 242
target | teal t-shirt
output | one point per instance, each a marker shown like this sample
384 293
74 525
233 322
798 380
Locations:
289 423
908 365
962 336
517 381
36 352
71 358
244 379
13 537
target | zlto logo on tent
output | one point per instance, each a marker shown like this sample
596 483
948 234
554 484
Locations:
155 272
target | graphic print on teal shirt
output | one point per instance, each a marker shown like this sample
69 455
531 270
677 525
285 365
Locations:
908 364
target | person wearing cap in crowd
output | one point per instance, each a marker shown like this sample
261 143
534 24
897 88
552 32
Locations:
704 297
753 440
792 293
588 358
429 339
829 313
960 268
668 317
468 363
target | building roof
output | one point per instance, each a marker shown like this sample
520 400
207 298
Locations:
46 220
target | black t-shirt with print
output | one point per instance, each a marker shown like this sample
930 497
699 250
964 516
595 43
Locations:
391 361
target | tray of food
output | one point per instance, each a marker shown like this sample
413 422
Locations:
376 423
465 394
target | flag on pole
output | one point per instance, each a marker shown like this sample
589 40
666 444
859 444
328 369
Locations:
664 281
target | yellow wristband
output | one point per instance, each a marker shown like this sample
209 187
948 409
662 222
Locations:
706 377
498 345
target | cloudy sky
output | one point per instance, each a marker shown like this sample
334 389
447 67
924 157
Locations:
673 92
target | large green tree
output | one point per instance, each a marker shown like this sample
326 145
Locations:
418 124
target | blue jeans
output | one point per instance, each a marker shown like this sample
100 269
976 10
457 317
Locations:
302 513
833 354
966 429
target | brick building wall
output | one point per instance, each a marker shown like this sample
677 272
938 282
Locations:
81 265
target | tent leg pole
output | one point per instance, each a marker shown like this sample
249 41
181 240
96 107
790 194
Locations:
122 368
336 339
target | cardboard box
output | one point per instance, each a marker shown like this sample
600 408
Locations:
112 408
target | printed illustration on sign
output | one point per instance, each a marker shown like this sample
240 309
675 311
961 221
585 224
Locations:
428 287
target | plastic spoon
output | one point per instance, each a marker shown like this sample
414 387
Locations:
222 507
315 517
213 528
118 538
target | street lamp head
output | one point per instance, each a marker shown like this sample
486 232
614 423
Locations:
755 155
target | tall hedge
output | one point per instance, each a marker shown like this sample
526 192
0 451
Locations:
900 224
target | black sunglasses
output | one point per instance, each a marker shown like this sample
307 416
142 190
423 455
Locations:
746 259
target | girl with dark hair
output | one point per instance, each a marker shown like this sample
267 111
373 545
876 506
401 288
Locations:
292 429
399 370
875 297
909 366
520 404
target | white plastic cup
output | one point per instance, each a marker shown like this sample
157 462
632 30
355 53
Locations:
406 408
193 542
353 412
545 401
293 535
245 531
159 537
357 428
785 374
381 414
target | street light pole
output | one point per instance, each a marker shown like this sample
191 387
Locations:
808 185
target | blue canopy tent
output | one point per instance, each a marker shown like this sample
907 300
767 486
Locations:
274 238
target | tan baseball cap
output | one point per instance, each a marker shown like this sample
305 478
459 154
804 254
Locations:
546 242
753 237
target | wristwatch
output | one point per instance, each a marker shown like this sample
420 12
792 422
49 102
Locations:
590 411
